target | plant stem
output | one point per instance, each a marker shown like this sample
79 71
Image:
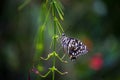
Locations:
53 77
54 41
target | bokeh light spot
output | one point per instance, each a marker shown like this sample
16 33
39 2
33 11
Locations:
96 62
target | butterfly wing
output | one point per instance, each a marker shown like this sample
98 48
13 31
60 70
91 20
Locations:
76 48
73 47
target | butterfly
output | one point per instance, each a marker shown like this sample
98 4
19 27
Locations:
73 47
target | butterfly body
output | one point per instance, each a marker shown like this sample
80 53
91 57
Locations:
73 47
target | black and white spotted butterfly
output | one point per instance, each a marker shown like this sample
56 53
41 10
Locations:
73 47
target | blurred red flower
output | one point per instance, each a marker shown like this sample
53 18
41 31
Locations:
96 62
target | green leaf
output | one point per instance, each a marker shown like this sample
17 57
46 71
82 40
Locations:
60 26
60 6
59 13
24 4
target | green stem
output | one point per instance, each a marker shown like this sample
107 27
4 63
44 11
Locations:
54 41
53 78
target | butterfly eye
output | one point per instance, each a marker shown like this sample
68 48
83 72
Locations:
73 47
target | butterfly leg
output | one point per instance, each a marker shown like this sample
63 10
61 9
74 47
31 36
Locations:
63 56
65 51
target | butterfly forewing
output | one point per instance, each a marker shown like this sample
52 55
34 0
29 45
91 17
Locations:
73 47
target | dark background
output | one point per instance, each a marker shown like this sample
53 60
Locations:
95 22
